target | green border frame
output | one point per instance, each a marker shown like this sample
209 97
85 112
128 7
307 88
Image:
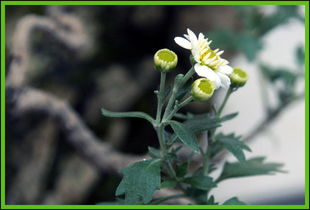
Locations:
4 3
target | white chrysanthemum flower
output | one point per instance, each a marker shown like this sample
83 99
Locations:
209 62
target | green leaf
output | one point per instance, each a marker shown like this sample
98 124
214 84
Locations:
300 55
200 196
185 135
250 167
168 183
140 181
200 181
127 114
154 153
234 201
249 44
233 144
211 201
202 122
181 169
229 116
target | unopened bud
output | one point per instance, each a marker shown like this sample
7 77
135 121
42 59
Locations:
202 89
238 77
165 60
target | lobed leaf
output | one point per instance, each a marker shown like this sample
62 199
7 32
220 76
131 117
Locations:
186 136
202 122
201 182
233 144
140 181
234 201
251 167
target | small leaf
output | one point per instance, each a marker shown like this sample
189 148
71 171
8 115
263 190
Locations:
185 135
154 153
234 201
168 183
181 169
202 122
300 55
200 182
211 201
229 116
251 167
200 196
127 114
140 181
233 144
249 44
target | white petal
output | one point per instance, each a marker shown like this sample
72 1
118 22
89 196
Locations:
192 36
220 53
201 36
196 55
206 72
225 69
186 36
183 43
225 81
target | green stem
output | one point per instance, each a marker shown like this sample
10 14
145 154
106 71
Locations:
228 93
163 150
206 155
177 107
160 95
161 138
175 89
171 171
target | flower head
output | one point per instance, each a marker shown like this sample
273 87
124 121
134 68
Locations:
209 63
202 89
238 77
165 60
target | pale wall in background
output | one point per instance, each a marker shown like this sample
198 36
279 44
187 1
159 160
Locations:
285 140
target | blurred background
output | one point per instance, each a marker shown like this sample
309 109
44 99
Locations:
108 62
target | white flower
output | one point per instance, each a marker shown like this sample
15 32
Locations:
209 62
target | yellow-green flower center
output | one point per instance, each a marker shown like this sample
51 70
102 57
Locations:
212 54
240 73
205 86
166 55
209 58
202 89
238 77
165 60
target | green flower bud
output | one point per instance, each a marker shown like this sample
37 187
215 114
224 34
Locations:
165 60
238 77
202 89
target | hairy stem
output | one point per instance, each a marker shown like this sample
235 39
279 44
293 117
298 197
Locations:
160 96
175 89
178 106
228 93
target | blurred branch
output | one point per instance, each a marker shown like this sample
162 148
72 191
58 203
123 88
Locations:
67 28
100 154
